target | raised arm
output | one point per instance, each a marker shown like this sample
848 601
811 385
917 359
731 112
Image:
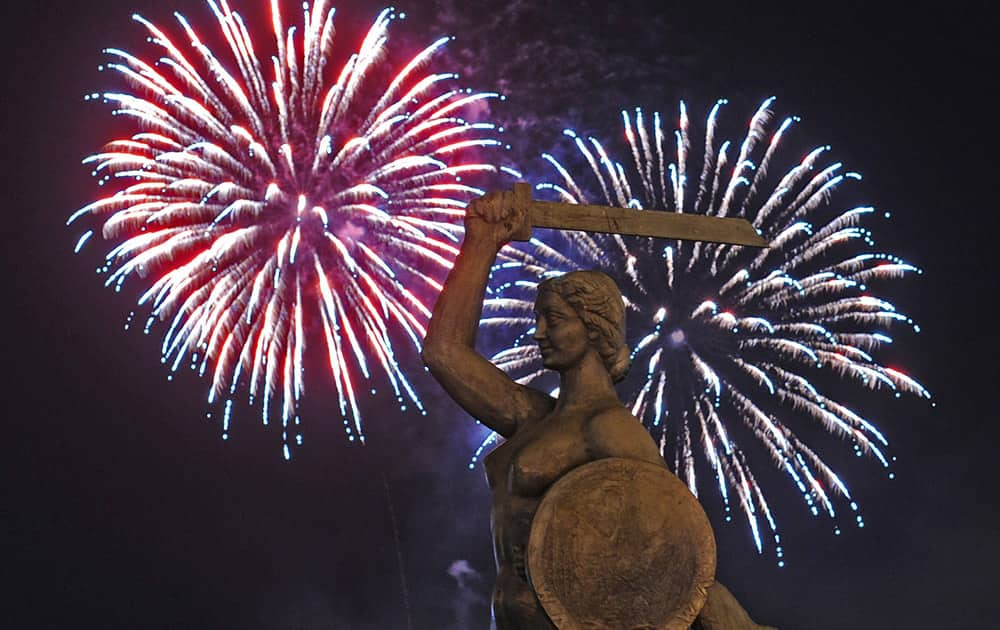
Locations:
449 350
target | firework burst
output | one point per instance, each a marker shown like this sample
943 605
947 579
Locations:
733 346
258 211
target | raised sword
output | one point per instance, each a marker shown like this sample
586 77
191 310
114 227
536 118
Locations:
613 220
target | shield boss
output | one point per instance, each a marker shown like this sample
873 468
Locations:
621 544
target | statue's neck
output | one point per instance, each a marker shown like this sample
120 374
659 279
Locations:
586 384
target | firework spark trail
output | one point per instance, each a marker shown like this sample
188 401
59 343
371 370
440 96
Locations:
259 213
730 344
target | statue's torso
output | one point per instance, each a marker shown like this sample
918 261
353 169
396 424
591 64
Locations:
519 472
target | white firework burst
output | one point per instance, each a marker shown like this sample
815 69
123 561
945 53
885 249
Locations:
263 207
734 347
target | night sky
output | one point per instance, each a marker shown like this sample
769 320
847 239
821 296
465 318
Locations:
123 508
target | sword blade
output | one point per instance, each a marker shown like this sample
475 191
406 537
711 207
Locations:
656 223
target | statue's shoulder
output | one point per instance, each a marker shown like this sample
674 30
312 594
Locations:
613 415
614 432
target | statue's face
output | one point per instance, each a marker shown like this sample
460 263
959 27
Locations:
560 333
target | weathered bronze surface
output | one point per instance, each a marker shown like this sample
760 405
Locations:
620 543
580 331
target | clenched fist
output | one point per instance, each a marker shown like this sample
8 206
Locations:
495 217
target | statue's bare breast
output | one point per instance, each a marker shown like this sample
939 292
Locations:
520 471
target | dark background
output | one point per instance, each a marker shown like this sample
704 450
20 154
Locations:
123 508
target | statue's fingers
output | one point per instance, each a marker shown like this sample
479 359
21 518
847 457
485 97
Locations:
482 207
506 202
495 208
474 208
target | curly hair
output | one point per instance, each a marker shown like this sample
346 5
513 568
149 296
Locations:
598 302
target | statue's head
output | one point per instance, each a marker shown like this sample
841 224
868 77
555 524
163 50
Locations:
598 303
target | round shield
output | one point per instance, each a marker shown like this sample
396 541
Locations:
620 543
